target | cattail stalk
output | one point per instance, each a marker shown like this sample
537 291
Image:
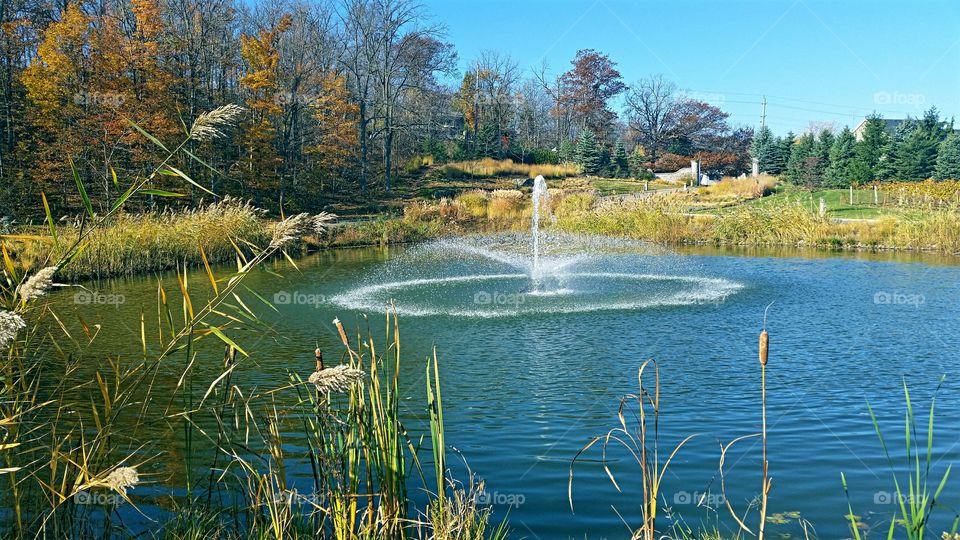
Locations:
764 352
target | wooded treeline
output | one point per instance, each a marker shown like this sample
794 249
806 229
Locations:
342 97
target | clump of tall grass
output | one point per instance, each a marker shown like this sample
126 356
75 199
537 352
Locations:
489 167
475 203
136 243
918 490
506 204
739 188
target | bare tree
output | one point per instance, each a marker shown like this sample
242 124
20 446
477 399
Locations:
652 113
409 58
360 26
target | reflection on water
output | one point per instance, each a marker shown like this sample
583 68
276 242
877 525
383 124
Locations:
523 393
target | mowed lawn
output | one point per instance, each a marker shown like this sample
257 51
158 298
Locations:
836 200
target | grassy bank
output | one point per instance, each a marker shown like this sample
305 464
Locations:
141 243
748 212
131 244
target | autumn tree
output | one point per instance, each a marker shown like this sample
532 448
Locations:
336 138
55 87
588 88
260 54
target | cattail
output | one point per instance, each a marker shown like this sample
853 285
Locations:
343 335
37 285
336 379
122 478
764 347
210 125
10 324
319 354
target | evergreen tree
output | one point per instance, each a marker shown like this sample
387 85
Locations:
567 151
764 149
918 141
870 152
778 164
621 169
842 154
822 157
637 162
802 158
589 155
488 142
948 159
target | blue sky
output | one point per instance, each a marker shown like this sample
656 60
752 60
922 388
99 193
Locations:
814 60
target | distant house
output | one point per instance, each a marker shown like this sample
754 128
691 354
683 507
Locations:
890 125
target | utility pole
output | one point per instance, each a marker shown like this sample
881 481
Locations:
763 115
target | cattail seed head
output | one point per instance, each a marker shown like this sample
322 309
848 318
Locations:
319 354
343 335
764 347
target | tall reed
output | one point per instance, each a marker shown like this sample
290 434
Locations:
643 445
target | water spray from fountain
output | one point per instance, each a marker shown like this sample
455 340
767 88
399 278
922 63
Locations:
512 275
541 203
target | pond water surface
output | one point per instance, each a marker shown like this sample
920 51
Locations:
530 374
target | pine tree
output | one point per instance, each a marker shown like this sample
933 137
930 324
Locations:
842 154
870 152
567 151
918 141
621 168
821 161
636 161
589 153
780 158
800 168
764 149
948 159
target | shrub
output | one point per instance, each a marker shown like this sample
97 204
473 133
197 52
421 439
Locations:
506 203
474 203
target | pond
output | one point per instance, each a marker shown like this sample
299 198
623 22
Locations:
532 369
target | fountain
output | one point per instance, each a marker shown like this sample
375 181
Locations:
541 203
515 274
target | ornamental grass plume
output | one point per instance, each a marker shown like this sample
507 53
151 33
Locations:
37 285
210 125
122 478
336 379
10 324
293 227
